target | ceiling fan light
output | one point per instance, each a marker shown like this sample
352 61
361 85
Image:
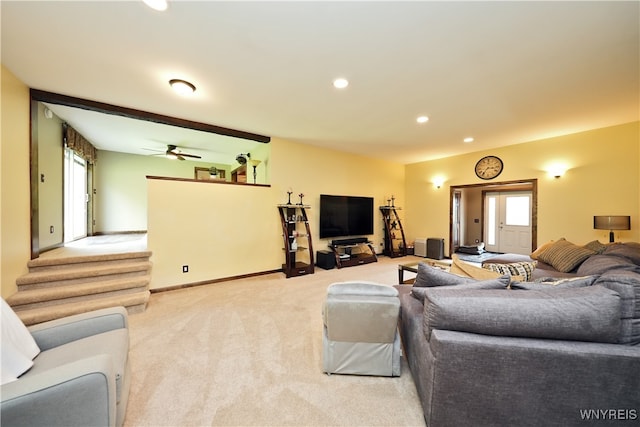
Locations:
182 87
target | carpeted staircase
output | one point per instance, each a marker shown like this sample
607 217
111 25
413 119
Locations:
58 287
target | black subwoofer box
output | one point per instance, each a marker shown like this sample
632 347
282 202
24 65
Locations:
435 248
325 259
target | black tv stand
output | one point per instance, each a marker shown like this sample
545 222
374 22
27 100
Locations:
353 251
350 241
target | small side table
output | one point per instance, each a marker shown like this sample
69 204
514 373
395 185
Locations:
412 267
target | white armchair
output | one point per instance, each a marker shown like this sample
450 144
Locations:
80 376
361 329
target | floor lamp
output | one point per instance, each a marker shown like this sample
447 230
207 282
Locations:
255 164
612 222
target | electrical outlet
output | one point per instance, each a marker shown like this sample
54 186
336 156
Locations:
51 229
185 268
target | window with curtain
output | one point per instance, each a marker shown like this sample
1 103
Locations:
79 144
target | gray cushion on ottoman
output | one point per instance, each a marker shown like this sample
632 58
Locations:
582 314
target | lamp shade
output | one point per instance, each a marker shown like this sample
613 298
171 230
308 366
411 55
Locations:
612 222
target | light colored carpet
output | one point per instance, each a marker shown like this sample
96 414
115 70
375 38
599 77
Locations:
249 353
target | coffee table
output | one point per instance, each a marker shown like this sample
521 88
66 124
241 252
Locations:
412 267
443 264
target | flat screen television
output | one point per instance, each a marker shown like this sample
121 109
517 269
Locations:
345 216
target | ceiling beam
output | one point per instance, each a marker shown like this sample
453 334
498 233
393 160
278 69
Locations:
131 113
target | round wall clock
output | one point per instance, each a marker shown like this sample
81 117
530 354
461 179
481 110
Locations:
489 167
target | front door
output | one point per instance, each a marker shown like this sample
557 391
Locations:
508 222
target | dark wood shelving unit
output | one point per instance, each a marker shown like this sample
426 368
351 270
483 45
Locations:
295 228
394 241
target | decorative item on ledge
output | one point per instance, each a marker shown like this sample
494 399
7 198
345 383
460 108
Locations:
612 222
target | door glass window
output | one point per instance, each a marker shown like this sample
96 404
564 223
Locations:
75 196
492 221
517 210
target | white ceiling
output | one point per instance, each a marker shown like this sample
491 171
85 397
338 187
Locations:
501 72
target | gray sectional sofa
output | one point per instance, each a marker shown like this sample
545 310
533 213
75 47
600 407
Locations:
566 353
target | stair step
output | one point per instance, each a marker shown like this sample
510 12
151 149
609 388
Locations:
53 263
47 295
133 302
70 275
61 286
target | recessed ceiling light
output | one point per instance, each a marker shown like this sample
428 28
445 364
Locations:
340 83
157 4
422 119
183 87
469 139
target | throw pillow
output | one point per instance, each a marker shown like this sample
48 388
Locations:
595 246
522 269
542 248
428 276
600 264
629 251
465 269
565 256
18 346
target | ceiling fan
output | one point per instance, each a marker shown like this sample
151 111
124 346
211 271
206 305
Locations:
174 153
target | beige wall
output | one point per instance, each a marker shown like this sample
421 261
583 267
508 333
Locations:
602 179
121 187
15 208
228 230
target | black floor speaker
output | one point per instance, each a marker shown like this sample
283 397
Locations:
435 248
325 259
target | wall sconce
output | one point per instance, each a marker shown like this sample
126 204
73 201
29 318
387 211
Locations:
612 222
557 170
438 181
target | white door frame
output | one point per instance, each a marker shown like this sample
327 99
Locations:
524 184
